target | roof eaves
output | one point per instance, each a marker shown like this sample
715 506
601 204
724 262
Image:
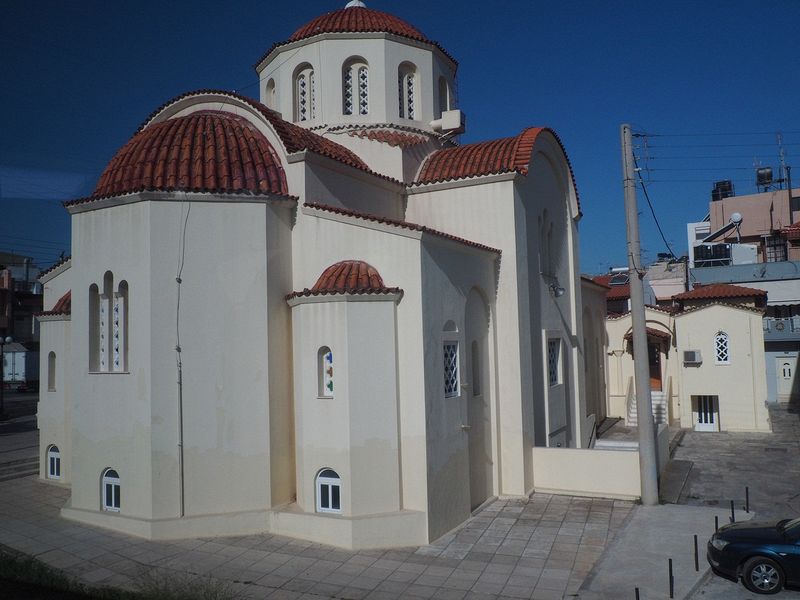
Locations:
401 224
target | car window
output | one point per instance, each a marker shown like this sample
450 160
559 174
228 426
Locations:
792 528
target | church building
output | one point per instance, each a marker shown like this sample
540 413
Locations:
316 314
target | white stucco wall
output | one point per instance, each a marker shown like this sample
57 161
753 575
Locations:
128 421
740 384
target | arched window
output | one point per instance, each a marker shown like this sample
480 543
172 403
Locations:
269 94
53 463
119 328
407 90
305 94
51 372
721 349
329 494
444 96
104 320
355 87
325 372
111 490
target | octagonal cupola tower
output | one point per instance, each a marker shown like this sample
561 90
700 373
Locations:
359 67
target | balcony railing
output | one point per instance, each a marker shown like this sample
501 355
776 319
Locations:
785 325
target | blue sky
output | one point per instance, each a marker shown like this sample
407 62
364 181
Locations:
77 79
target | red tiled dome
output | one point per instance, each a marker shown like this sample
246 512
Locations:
357 20
206 151
349 276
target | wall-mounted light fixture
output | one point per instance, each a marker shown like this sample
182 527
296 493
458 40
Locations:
556 290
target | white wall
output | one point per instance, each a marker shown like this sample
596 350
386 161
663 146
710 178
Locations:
740 384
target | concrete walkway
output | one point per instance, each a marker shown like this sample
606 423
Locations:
540 548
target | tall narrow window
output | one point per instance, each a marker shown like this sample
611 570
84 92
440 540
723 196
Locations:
444 96
94 328
325 372
355 87
721 349
476 369
53 463
407 88
51 372
119 328
329 494
269 94
111 490
305 94
553 354
103 325
451 381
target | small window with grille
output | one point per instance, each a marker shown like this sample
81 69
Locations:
721 348
451 380
553 355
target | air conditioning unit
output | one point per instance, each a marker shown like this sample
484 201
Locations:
692 357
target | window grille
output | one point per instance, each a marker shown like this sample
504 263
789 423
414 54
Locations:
302 98
348 91
410 95
553 353
363 90
451 380
721 349
775 248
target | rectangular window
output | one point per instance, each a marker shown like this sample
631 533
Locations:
451 380
774 248
553 353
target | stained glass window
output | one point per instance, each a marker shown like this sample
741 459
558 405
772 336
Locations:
325 377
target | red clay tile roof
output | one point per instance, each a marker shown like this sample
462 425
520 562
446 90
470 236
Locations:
293 137
720 290
348 277
398 223
656 333
205 151
357 20
58 263
62 307
792 232
393 138
504 155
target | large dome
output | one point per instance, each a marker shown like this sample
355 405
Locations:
205 151
357 19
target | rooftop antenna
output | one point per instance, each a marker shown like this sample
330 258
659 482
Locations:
782 155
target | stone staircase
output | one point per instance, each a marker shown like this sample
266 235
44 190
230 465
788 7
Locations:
659 401
20 467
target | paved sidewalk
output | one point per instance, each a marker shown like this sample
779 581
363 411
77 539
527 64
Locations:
639 556
540 548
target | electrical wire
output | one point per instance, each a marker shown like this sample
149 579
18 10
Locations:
650 204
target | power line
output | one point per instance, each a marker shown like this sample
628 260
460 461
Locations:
650 204
715 134
750 145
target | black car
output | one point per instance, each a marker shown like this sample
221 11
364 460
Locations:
764 554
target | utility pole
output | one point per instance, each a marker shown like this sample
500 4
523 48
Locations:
641 378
